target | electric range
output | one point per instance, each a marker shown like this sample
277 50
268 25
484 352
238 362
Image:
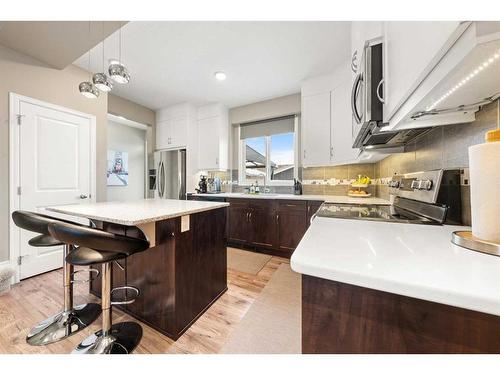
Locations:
431 197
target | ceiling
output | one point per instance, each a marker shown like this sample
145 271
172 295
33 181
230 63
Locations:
173 62
56 43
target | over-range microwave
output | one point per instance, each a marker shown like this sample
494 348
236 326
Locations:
367 90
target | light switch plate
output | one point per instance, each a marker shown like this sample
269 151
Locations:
184 223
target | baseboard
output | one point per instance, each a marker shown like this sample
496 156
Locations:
263 250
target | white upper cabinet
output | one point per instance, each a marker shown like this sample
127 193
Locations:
412 49
175 126
326 120
163 134
213 137
316 129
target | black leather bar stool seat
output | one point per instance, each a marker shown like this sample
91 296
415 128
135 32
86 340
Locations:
100 247
44 240
71 319
38 223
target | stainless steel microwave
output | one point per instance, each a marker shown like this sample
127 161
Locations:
367 90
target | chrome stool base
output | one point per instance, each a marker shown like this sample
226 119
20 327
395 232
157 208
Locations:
122 339
63 324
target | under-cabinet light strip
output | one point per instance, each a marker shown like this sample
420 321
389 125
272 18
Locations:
466 79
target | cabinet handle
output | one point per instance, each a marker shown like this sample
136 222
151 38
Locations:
331 151
248 220
304 154
217 161
277 217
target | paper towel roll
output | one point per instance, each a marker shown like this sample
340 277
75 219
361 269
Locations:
484 167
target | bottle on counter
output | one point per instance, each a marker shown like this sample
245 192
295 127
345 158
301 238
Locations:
257 189
252 189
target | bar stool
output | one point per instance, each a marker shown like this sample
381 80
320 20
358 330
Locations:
71 319
100 247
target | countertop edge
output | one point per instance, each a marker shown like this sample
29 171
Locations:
138 222
385 285
305 197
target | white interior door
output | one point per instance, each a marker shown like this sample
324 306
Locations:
54 169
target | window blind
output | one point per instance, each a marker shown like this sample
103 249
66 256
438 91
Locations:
267 127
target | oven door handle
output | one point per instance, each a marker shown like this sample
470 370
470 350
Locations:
354 96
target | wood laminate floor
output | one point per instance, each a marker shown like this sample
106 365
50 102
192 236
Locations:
34 299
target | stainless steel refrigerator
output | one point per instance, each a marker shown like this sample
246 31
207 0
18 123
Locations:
170 174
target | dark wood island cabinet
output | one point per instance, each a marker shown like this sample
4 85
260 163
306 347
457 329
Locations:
179 277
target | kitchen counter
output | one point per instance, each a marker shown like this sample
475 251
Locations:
411 260
326 198
137 212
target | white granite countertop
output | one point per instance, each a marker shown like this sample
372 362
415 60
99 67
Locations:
326 198
137 212
412 260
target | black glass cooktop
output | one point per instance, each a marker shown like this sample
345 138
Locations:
371 212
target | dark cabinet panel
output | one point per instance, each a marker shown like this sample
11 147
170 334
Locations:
264 230
339 318
239 224
147 272
292 224
291 228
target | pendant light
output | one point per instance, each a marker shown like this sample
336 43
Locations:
87 88
101 80
117 70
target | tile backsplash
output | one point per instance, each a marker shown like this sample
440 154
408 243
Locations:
335 180
443 147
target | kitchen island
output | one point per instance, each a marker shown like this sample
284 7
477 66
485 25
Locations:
185 269
379 287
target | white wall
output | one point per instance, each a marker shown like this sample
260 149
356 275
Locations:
132 140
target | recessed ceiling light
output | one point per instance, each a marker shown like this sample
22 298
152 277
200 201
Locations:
220 76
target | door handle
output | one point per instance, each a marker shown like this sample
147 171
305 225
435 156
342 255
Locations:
83 196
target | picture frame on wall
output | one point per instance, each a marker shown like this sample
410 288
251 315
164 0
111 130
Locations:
117 172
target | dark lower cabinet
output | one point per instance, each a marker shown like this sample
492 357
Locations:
292 224
276 225
263 224
339 318
238 224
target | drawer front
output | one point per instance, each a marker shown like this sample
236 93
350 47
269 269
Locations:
239 203
263 204
292 205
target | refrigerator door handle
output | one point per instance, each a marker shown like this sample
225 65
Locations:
181 163
161 180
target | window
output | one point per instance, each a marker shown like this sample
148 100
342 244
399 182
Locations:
267 152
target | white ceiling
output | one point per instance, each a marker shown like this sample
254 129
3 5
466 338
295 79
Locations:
174 62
